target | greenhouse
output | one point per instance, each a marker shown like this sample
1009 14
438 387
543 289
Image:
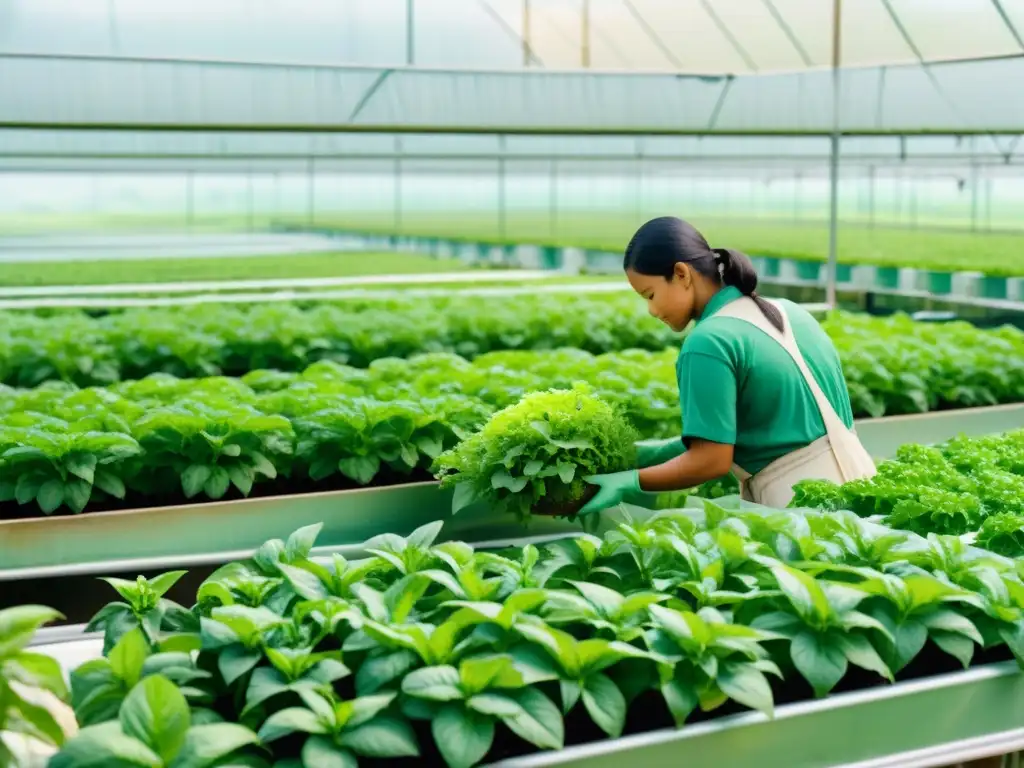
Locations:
514 383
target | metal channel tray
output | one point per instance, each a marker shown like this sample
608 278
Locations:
196 534
935 721
926 723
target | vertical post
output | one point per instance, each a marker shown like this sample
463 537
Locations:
502 205
871 197
553 199
526 33
638 192
989 183
190 198
585 35
310 192
397 202
833 214
974 197
410 34
249 213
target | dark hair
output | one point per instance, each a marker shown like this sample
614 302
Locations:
662 243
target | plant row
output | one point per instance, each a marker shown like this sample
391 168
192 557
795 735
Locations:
969 485
462 656
163 440
236 339
893 365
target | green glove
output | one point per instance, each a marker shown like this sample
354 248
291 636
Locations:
650 453
612 488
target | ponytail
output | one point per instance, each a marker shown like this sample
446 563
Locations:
736 269
662 243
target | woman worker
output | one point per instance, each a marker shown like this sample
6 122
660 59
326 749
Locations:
761 387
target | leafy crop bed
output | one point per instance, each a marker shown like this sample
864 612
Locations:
162 440
236 339
447 655
893 365
968 485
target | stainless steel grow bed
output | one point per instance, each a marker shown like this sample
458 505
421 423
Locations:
936 721
195 534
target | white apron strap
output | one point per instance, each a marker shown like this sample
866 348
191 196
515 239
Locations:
838 433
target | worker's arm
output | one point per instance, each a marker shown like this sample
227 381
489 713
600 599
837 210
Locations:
703 461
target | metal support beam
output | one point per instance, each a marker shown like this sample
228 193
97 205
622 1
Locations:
652 35
585 34
553 199
502 192
833 213
310 192
527 50
397 202
190 195
410 33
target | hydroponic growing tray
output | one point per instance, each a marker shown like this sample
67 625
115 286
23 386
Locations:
930 722
144 539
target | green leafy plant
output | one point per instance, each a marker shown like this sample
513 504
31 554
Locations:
31 684
536 453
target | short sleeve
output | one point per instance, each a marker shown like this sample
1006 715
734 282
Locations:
707 394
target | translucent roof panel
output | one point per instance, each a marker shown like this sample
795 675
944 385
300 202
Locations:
695 36
948 97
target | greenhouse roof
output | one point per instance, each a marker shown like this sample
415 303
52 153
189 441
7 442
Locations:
696 36
40 91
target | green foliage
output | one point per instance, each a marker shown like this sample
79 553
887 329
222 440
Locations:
968 485
537 452
440 652
25 677
63 449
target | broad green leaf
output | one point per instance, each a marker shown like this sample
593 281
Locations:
82 465
532 467
605 704
540 722
305 584
155 712
861 653
479 674
803 592
264 683
206 745
607 601
50 495
32 719
162 584
105 746
384 736
956 645
948 620
128 656
77 493
217 483
361 469
681 698
744 683
465 495
194 478
909 638
570 691
463 736
242 477
235 661
19 624
36 670
379 670
288 721
434 683
321 752
820 660
495 704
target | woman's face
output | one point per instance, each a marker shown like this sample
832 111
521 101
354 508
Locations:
671 301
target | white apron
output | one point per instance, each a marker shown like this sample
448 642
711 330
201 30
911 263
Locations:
838 456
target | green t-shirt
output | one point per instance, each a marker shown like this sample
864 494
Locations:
738 386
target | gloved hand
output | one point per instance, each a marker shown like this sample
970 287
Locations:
652 452
612 488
